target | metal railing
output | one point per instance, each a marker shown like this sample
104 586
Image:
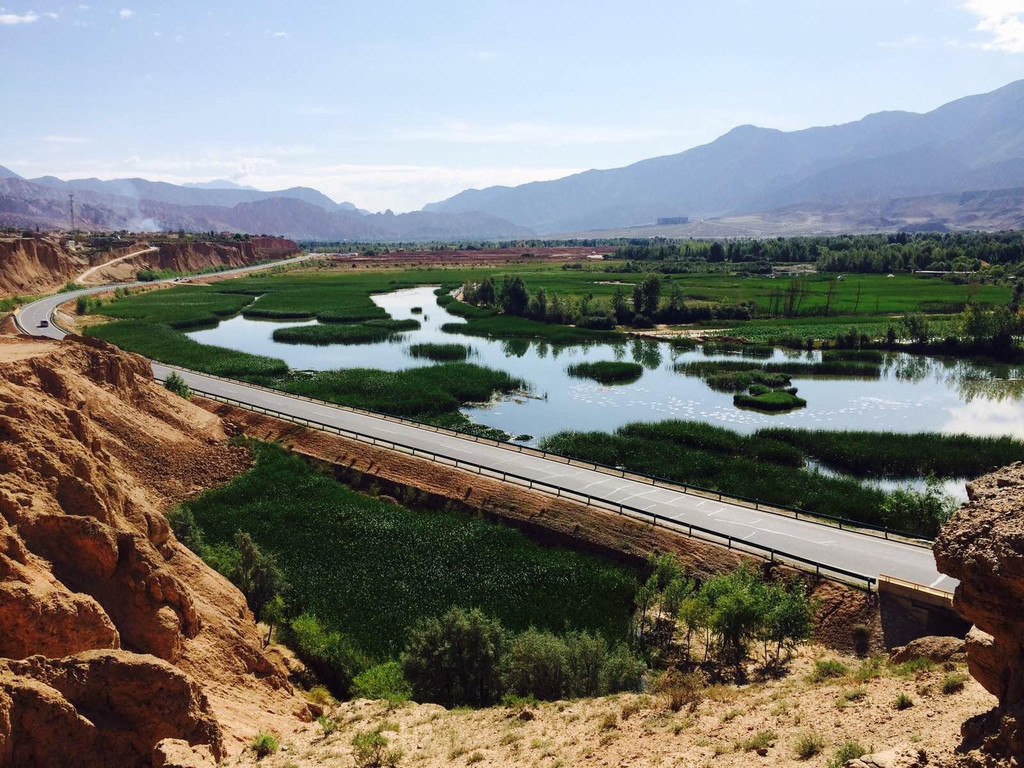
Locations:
693 531
795 513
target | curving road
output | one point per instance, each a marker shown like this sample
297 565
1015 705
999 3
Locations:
832 547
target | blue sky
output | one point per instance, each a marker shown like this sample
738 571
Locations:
395 104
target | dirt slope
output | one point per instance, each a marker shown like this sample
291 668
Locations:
36 264
135 629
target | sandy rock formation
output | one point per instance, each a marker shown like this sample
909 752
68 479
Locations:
92 451
98 709
937 649
983 547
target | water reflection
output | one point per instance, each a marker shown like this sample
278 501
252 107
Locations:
913 394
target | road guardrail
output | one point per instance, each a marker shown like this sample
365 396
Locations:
693 531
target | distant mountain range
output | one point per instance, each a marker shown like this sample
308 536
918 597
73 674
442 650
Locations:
889 171
972 144
299 213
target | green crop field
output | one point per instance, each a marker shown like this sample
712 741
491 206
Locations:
371 569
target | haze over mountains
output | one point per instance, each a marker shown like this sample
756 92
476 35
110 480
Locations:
972 144
887 171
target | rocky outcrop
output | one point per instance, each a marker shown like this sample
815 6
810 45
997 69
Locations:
983 547
36 264
99 708
92 451
936 649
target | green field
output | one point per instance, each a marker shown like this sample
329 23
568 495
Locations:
365 332
370 569
183 306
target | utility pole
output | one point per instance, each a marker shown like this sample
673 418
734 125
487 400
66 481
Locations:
71 199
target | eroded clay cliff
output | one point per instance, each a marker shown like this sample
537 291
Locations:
107 624
36 264
983 547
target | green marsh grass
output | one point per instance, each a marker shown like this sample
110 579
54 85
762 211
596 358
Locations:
606 372
434 389
370 568
441 352
159 342
366 332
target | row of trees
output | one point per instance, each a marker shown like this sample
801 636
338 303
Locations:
642 306
846 253
723 617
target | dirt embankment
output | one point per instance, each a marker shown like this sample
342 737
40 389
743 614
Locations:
194 256
114 636
36 265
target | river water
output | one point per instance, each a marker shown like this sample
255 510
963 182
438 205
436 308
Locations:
913 394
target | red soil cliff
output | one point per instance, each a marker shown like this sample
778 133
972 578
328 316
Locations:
113 635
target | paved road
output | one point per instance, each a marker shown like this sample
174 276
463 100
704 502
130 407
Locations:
30 315
82 277
847 550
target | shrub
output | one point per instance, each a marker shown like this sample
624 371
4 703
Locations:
176 384
861 639
847 696
807 745
849 750
265 743
680 688
760 740
535 663
371 750
327 725
828 669
623 671
382 681
440 352
915 667
953 683
453 660
330 655
903 701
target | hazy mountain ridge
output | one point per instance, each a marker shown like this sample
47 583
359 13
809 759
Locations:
30 204
972 144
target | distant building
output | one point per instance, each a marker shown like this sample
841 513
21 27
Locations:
664 221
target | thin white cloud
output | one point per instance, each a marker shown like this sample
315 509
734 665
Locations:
84 7
10 19
51 15
1002 21
279 34
64 140
528 133
126 13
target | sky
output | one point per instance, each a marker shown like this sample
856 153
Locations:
397 104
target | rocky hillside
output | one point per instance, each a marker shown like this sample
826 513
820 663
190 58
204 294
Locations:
115 637
983 547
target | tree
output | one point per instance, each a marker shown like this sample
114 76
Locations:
651 295
512 296
620 308
539 305
915 328
256 574
638 299
453 660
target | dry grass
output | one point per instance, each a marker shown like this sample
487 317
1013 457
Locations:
723 726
